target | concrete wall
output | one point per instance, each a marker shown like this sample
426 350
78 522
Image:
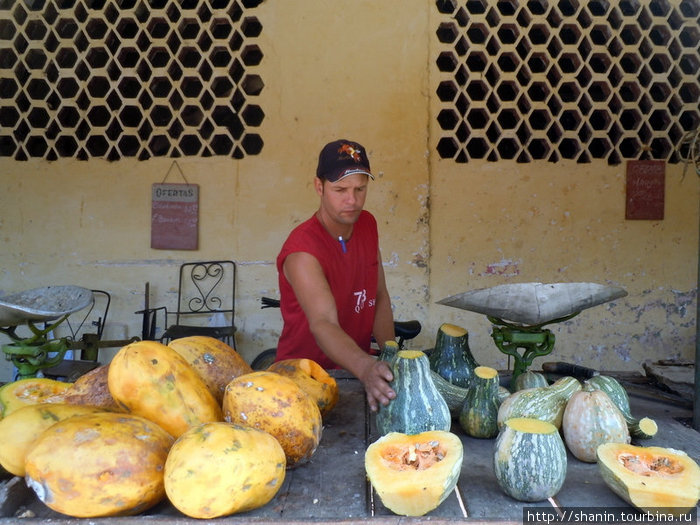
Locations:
365 71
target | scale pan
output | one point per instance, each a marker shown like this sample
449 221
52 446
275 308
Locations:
534 303
42 304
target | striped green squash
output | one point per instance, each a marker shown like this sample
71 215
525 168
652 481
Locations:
529 379
546 403
529 459
479 413
389 351
418 405
451 357
640 428
452 394
503 394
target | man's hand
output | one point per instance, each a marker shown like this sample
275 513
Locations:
375 378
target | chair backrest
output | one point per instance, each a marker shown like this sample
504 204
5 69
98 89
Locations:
91 319
206 288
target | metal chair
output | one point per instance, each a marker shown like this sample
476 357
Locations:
206 301
86 328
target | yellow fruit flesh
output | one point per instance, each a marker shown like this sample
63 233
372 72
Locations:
410 354
531 425
413 474
28 392
485 372
453 330
651 478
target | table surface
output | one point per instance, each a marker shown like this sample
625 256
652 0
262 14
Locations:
332 486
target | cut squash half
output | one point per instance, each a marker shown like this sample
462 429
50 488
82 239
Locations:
413 474
652 479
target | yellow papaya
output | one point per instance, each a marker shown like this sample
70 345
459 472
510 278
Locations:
149 379
103 464
22 427
215 361
89 389
217 469
28 392
312 379
276 404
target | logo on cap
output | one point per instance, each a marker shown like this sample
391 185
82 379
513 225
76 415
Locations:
354 153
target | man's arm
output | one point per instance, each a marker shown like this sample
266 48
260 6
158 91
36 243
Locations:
313 292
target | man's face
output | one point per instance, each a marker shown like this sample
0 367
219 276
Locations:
343 201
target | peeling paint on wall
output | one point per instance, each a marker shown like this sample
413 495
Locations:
419 261
504 267
392 261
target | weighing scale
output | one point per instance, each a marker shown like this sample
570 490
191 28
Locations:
519 313
41 306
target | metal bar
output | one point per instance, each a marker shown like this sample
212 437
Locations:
692 153
369 490
462 507
145 334
554 503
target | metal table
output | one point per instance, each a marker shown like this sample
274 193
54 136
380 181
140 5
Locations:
332 487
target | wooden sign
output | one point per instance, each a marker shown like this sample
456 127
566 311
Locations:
174 216
646 181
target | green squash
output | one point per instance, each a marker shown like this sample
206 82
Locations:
452 394
479 413
640 428
451 357
389 351
529 459
418 405
503 394
545 403
591 419
529 379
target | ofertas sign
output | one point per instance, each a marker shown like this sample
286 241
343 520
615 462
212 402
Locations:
174 216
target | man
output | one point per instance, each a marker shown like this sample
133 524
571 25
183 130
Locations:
333 295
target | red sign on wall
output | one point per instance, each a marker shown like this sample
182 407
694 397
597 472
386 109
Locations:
174 216
646 182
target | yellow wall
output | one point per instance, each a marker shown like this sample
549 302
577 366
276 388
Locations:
365 72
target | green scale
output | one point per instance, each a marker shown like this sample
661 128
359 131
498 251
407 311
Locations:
519 313
41 311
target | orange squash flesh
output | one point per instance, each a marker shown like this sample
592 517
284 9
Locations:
650 465
413 474
416 456
652 479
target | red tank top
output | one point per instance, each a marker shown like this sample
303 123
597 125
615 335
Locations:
352 275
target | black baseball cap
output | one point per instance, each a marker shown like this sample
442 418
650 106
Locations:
341 158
